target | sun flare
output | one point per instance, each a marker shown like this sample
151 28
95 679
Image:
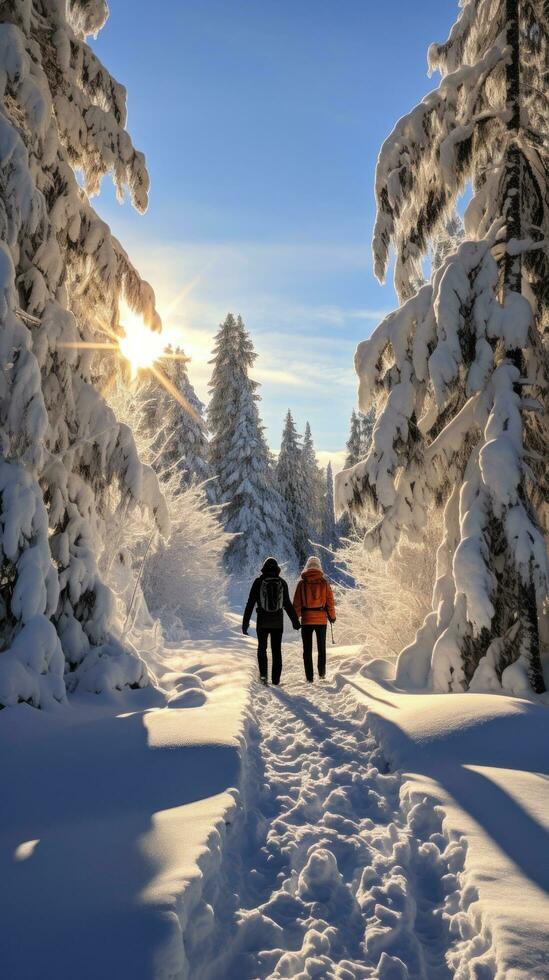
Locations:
140 345
143 349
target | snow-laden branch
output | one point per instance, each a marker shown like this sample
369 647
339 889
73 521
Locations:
62 112
449 415
418 170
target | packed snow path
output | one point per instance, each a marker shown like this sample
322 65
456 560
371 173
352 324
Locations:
326 876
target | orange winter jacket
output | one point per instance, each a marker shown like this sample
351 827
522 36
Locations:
314 599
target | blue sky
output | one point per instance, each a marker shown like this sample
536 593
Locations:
261 121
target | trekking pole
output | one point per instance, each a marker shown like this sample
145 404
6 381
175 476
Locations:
332 629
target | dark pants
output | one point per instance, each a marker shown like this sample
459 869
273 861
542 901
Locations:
276 652
307 637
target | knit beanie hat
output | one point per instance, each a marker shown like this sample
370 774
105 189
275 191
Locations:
313 562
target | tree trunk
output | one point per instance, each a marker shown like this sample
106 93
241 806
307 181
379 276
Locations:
512 282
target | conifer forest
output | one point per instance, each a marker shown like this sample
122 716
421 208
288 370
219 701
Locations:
274 494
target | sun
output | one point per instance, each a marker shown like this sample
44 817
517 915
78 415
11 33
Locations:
140 345
144 349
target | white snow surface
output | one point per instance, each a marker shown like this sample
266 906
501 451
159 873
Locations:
343 829
115 818
481 761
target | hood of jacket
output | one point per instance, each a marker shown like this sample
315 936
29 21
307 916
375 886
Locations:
270 567
313 575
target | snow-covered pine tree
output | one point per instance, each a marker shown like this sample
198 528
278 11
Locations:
164 582
293 489
314 484
353 456
367 422
354 442
240 458
459 370
330 534
447 241
358 446
177 424
64 457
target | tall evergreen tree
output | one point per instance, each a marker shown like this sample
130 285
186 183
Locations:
367 422
354 442
176 419
333 530
292 484
360 436
447 241
459 369
358 447
64 458
330 534
314 484
240 459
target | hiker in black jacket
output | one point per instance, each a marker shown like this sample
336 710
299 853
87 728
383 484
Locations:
270 595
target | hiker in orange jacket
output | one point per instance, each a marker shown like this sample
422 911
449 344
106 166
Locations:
314 604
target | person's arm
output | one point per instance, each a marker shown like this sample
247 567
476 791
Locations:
250 605
298 600
330 604
288 606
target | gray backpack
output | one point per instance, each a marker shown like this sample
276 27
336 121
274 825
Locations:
271 595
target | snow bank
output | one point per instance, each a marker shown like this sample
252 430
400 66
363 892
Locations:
115 819
484 759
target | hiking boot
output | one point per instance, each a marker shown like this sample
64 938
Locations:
264 681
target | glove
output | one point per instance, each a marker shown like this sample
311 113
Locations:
245 630
332 620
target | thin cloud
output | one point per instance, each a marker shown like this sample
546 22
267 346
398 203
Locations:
275 375
335 457
305 349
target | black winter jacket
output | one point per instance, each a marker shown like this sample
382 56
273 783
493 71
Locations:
268 620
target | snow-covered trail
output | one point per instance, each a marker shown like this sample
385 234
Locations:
326 875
